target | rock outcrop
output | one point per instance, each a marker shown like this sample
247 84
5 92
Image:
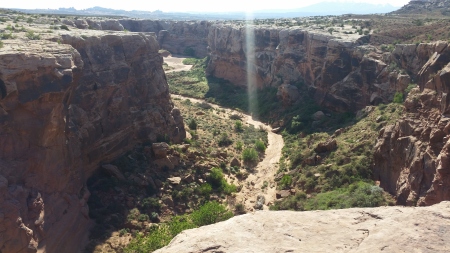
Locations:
411 157
188 38
390 229
342 73
426 7
64 110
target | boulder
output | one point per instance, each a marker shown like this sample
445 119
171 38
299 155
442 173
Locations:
282 194
160 150
174 180
235 162
326 146
288 94
318 116
260 200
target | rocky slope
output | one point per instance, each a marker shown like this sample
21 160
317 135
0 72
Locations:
350 230
342 73
64 110
426 7
411 157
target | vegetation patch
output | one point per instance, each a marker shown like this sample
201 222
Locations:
160 236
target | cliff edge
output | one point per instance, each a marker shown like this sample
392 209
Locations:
390 229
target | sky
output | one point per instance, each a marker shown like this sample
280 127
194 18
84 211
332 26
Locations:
178 5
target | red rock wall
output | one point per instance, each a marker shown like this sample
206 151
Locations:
65 112
343 74
412 156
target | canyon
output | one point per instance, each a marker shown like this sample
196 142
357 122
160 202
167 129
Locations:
77 99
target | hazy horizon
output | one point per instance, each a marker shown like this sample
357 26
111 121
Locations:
183 6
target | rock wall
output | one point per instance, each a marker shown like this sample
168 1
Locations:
64 110
412 157
178 37
186 38
342 73
348 230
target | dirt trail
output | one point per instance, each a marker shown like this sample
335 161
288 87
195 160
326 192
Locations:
176 63
266 169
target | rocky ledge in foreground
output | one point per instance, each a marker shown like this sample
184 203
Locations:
389 229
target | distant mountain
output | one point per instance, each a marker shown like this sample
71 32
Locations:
320 9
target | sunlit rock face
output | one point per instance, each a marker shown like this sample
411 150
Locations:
412 157
346 230
64 110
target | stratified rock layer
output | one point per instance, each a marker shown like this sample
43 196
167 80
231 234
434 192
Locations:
63 111
389 229
412 157
342 73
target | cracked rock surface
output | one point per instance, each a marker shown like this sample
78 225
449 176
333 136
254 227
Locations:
390 229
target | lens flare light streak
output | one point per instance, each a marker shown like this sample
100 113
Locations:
250 68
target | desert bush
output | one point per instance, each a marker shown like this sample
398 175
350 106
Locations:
224 140
64 27
32 36
238 127
260 146
218 182
210 213
192 124
285 182
398 98
160 236
239 145
190 61
250 155
151 203
204 189
1 44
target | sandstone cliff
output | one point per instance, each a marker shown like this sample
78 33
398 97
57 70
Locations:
178 37
64 110
390 229
342 73
411 157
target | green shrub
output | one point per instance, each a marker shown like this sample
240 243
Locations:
250 155
204 189
210 213
160 236
143 217
216 178
285 181
151 203
190 61
239 208
410 87
192 124
224 140
238 127
260 146
398 98
218 182
64 27
32 36
1 44
239 145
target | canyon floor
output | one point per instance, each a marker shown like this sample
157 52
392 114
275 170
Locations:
260 181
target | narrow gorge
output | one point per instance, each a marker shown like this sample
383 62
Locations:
104 143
